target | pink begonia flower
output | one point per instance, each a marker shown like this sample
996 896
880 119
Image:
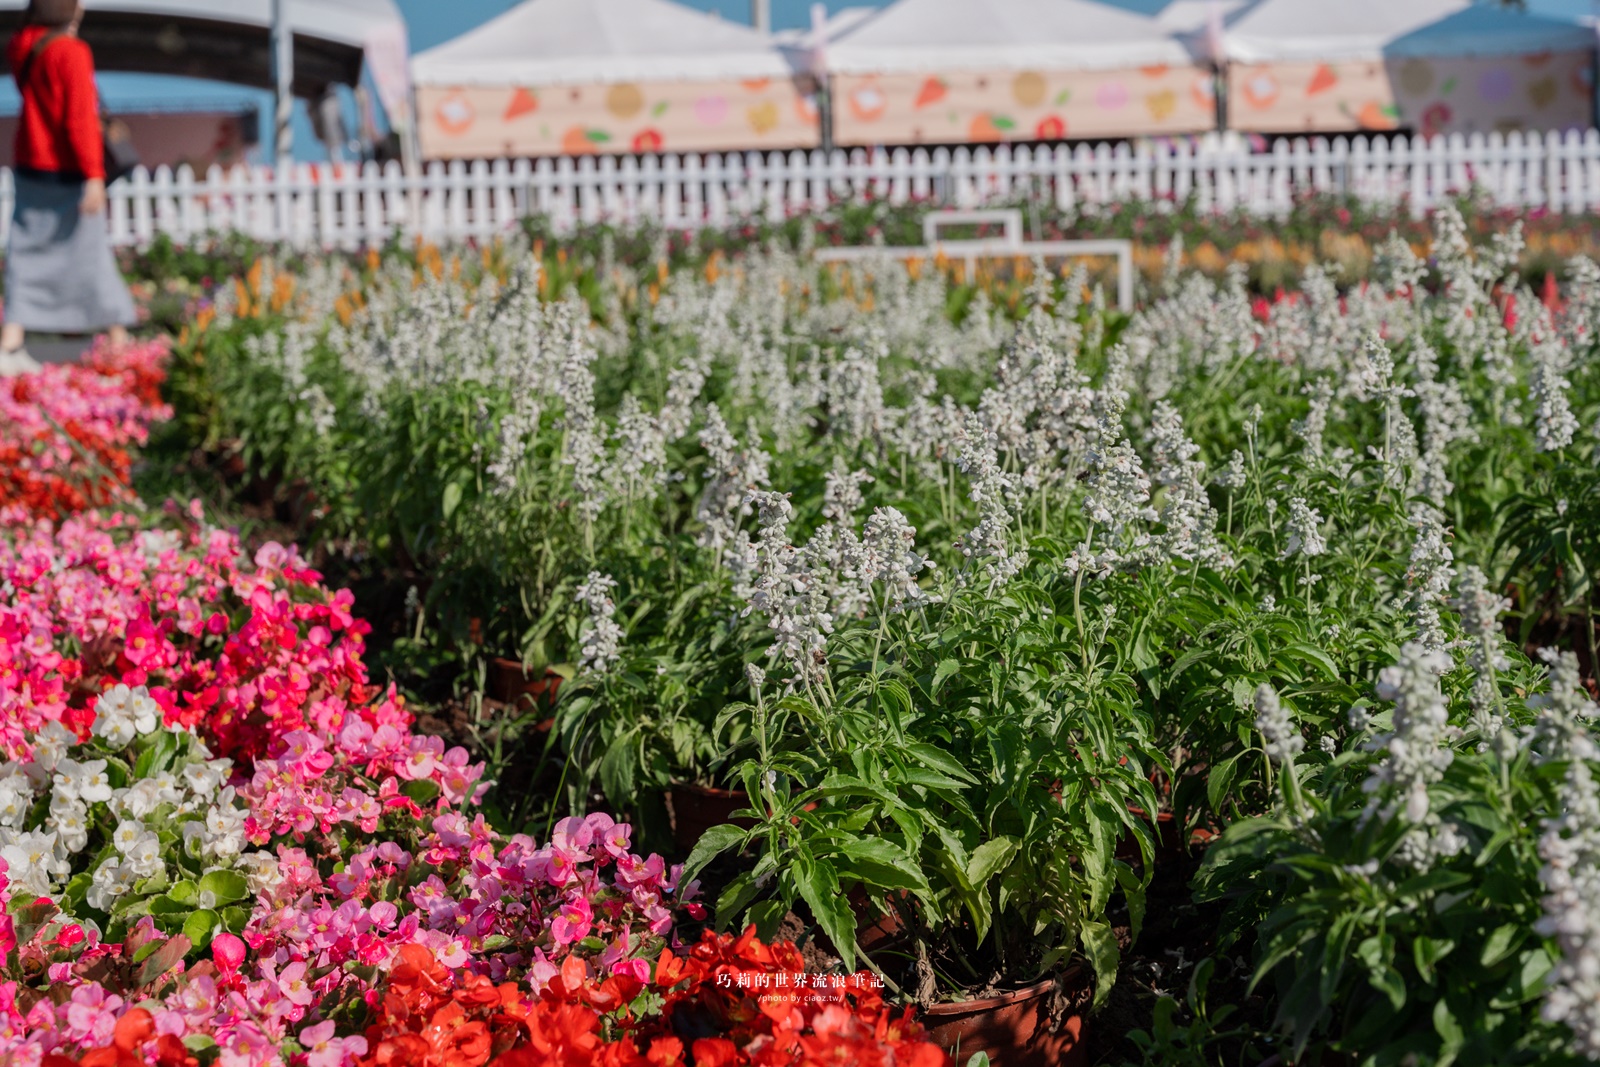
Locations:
573 834
572 921
638 968
426 754
293 986
325 1050
227 952
271 556
617 839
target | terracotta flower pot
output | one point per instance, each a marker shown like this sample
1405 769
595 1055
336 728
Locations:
697 808
873 930
1015 1029
510 684
1170 847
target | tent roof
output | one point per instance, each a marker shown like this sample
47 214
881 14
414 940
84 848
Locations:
543 42
837 24
228 40
1373 29
934 35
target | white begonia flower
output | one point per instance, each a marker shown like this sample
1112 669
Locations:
169 790
204 776
142 798
16 798
261 871
110 882
70 820
93 785
145 856
51 743
31 861
127 834
64 779
122 713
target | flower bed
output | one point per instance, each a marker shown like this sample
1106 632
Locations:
968 606
220 843
66 432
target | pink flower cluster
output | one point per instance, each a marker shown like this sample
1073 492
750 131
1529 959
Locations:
66 432
504 908
378 845
250 650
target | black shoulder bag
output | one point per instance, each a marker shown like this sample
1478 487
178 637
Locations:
116 140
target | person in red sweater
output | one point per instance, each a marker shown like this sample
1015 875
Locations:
61 275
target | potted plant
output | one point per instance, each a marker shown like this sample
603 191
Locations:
965 755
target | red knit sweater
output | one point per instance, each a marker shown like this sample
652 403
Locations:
59 129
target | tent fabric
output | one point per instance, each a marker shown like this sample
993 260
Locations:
940 36
987 107
1444 95
587 42
347 22
1326 31
487 122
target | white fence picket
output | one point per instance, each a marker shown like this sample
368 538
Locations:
361 205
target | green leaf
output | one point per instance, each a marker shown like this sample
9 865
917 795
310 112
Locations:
818 884
989 857
945 669
157 757
1219 782
184 892
225 887
165 905
1387 981
1100 943
882 863
1001 122
659 109
199 926
939 760
1501 943
1449 1031
451 501
163 958
422 790
712 844
617 768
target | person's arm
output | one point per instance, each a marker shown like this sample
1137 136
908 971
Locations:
81 114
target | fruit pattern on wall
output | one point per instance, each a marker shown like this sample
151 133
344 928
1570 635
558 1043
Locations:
977 107
1547 91
487 122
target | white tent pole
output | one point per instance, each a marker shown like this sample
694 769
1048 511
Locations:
282 83
761 15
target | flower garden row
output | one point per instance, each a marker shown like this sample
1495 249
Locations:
220 843
984 614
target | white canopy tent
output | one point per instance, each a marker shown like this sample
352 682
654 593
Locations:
943 71
1295 30
1435 66
579 42
947 35
574 76
227 40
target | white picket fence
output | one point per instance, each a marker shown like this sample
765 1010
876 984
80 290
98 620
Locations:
353 206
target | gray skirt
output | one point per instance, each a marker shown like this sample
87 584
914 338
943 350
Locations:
61 276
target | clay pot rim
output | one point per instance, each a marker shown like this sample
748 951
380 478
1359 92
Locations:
1032 992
